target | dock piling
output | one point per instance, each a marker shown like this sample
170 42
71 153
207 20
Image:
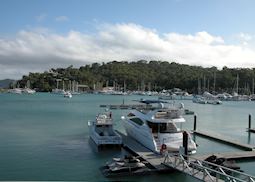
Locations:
249 126
195 122
185 144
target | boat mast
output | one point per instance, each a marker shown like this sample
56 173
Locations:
237 83
252 85
214 81
204 84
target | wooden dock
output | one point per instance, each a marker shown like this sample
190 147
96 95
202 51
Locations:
126 106
223 139
196 169
159 163
154 159
230 155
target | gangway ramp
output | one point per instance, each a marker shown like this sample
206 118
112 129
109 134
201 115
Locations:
204 170
196 168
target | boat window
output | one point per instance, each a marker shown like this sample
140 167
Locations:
137 121
130 115
162 127
168 128
153 126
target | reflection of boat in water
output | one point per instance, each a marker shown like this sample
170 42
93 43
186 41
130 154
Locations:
101 130
124 166
156 127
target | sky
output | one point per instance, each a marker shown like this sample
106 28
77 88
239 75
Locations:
36 35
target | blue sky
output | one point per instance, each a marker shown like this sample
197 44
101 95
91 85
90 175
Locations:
222 29
222 17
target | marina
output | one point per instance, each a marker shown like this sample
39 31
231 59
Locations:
195 166
59 139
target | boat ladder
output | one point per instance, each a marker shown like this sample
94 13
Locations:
157 143
204 170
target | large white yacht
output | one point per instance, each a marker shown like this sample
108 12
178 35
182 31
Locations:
155 128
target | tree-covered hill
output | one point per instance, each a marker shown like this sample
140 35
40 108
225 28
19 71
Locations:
145 75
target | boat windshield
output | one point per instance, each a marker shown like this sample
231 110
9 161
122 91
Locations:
163 127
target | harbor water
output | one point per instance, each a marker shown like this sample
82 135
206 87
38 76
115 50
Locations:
45 136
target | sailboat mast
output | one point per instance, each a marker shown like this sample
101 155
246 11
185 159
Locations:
214 81
237 83
252 85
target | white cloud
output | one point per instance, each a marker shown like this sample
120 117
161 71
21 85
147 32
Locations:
61 18
40 50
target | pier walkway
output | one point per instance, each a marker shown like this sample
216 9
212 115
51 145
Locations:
154 159
194 167
205 171
223 139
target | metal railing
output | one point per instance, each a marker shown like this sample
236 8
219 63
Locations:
204 170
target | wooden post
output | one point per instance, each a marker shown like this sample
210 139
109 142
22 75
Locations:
195 123
185 144
249 126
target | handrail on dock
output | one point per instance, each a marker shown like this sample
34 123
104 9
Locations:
204 170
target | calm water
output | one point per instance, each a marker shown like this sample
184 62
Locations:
45 136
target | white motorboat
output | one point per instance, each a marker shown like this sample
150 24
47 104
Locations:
28 91
101 130
156 128
15 91
199 100
68 95
58 91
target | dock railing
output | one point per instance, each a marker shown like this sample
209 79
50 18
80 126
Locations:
204 170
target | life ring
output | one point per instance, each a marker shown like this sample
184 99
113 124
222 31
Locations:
163 148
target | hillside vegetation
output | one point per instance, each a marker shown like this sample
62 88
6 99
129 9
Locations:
145 75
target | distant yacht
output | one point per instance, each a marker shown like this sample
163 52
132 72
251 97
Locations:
68 94
199 100
28 91
58 91
15 91
155 128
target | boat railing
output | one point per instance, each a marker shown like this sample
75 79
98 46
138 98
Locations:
106 121
111 139
204 170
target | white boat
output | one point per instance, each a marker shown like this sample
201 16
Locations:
58 91
214 101
156 128
68 95
199 100
28 91
15 91
101 130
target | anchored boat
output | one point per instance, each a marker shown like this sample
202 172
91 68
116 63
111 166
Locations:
101 130
156 128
